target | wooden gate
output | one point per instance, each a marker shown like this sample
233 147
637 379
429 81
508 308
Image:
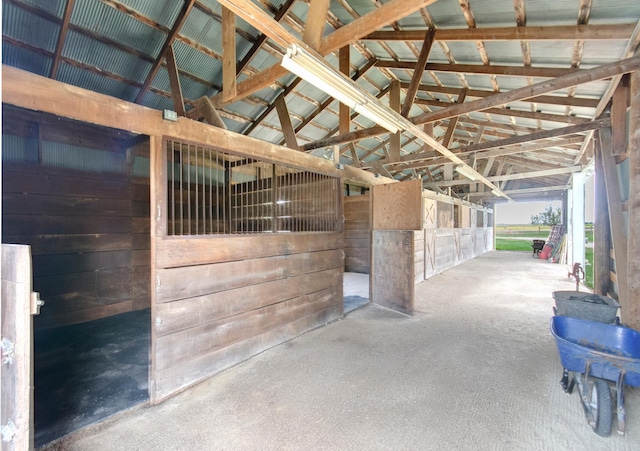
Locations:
18 304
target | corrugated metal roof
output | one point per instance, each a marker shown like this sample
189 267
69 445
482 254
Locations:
114 71
29 28
25 59
94 53
106 21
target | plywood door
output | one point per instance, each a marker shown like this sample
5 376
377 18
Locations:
16 374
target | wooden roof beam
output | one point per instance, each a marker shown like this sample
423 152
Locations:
417 73
255 16
528 33
177 25
62 36
482 69
517 176
573 79
551 99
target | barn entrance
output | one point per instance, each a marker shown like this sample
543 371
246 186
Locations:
78 195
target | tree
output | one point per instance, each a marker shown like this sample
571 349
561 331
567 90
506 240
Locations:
548 217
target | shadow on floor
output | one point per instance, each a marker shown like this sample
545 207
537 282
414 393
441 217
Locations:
87 372
353 302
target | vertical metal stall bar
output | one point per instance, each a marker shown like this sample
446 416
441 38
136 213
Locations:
171 185
211 192
181 190
275 207
196 203
188 190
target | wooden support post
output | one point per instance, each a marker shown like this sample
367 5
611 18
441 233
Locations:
418 71
394 103
632 318
577 219
602 232
229 86
345 111
619 105
174 80
285 123
618 229
354 155
316 20
209 112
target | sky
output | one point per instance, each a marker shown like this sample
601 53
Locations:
521 212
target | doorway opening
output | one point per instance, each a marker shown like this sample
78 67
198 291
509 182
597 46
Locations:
78 195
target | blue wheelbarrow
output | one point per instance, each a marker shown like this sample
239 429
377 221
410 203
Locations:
592 355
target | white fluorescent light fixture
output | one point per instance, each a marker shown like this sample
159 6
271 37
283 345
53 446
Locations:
495 192
466 172
316 71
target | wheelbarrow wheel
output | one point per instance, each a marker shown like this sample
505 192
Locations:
601 406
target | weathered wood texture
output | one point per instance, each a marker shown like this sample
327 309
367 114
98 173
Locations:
633 218
357 233
251 293
397 206
16 375
89 235
392 261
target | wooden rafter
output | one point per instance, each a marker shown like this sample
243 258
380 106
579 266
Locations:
551 100
528 33
177 25
228 54
285 122
174 80
62 36
417 73
316 20
391 11
512 71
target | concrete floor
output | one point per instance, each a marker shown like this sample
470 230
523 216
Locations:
475 368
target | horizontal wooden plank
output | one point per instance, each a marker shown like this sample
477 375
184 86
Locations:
357 235
43 321
186 282
141 225
352 225
357 244
175 316
64 183
140 241
178 347
355 215
188 359
176 252
176 378
355 264
141 257
69 225
140 209
105 285
41 204
141 283
52 244
45 265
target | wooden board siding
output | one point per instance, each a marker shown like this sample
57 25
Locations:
392 261
249 294
89 238
357 233
397 206
220 299
419 255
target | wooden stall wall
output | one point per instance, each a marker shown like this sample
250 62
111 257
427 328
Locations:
82 229
357 233
454 232
221 299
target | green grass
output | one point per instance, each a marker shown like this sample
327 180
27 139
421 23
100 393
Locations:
513 245
588 270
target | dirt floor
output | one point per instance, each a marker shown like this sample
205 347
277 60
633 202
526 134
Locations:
475 369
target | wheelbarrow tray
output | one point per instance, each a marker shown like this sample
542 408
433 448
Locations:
610 349
589 306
